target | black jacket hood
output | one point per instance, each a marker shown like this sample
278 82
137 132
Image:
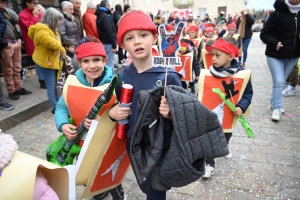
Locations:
102 9
281 6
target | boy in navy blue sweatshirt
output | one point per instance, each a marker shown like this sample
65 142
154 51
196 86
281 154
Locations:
137 38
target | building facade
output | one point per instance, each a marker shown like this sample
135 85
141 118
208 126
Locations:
197 7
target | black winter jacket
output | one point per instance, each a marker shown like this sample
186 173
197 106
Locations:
106 27
173 152
282 26
3 42
248 27
68 29
116 18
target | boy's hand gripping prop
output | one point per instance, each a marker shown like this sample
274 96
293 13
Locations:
63 151
169 46
241 119
125 101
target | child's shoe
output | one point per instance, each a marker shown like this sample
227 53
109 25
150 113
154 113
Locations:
229 156
208 171
6 106
193 90
289 91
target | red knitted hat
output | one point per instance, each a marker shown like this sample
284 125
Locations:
210 30
169 27
90 49
230 26
193 28
135 20
226 47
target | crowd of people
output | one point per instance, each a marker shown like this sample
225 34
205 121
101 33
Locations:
55 41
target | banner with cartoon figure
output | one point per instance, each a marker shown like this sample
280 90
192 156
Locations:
169 49
233 87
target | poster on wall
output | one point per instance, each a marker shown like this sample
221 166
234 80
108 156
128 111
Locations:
182 13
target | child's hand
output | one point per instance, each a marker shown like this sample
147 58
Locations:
238 111
119 113
164 108
197 78
69 133
87 123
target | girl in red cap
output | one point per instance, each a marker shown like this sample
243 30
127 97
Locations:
93 72
137 38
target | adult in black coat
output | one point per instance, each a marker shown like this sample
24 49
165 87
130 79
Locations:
107 32
116 17
281 35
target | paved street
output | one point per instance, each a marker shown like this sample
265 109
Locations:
267 166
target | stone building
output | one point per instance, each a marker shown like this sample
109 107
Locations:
197 7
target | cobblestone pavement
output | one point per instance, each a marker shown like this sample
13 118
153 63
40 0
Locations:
267 166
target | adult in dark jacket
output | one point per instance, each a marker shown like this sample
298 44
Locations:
77 17
116 17
244 26
281 35
67 27
107 31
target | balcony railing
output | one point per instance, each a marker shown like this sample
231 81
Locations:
177 3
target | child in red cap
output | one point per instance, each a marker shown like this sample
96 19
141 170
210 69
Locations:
93 72
231 32
224 52
137 38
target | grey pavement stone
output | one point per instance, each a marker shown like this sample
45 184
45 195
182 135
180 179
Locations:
291 194
288 171
290 183
267 166
262 167
255 157
239 195
277 159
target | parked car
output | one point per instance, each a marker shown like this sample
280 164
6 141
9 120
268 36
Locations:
257 27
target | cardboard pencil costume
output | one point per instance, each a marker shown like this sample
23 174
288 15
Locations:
99 151
215 92
169 44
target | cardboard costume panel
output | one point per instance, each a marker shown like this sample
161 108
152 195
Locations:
207 58
102 146
233 86
109 157
18 178
80 98
186 69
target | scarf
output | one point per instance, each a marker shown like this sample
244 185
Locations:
69 16
242 26
226 72
292 8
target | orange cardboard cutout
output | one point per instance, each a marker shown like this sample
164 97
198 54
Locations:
207 58
213 101
103 147
186 69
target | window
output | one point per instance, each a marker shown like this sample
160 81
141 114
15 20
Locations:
165 1
220 9
202 12
166 14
